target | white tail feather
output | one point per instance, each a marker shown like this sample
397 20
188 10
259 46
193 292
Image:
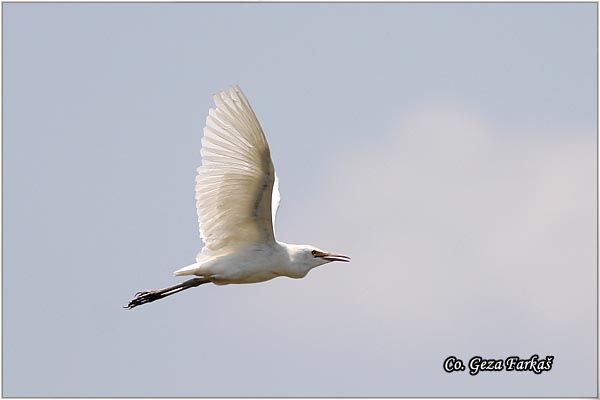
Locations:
189 270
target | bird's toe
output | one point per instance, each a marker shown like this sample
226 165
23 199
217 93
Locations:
142 298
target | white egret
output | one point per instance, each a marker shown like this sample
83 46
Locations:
237 197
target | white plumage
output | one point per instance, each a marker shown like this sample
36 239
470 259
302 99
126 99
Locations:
237 197
234 185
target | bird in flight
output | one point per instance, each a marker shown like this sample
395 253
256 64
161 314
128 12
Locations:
237 197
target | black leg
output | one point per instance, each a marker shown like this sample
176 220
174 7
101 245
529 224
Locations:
152 295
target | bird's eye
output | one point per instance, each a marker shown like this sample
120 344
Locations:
314 253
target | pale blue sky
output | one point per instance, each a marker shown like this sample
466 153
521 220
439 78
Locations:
450 149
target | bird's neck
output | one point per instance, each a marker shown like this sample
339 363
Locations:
292 254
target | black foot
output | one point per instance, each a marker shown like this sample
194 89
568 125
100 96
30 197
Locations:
151 295
143 298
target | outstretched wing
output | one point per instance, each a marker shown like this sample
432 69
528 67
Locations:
234 185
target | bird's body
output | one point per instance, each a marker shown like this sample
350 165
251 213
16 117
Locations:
250 263
237 197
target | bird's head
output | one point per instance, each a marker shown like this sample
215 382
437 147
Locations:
309 257
320 257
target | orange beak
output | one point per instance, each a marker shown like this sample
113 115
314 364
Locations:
332 257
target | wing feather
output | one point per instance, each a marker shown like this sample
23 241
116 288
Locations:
235 198
275 200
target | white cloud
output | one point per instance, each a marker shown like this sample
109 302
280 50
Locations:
460 231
